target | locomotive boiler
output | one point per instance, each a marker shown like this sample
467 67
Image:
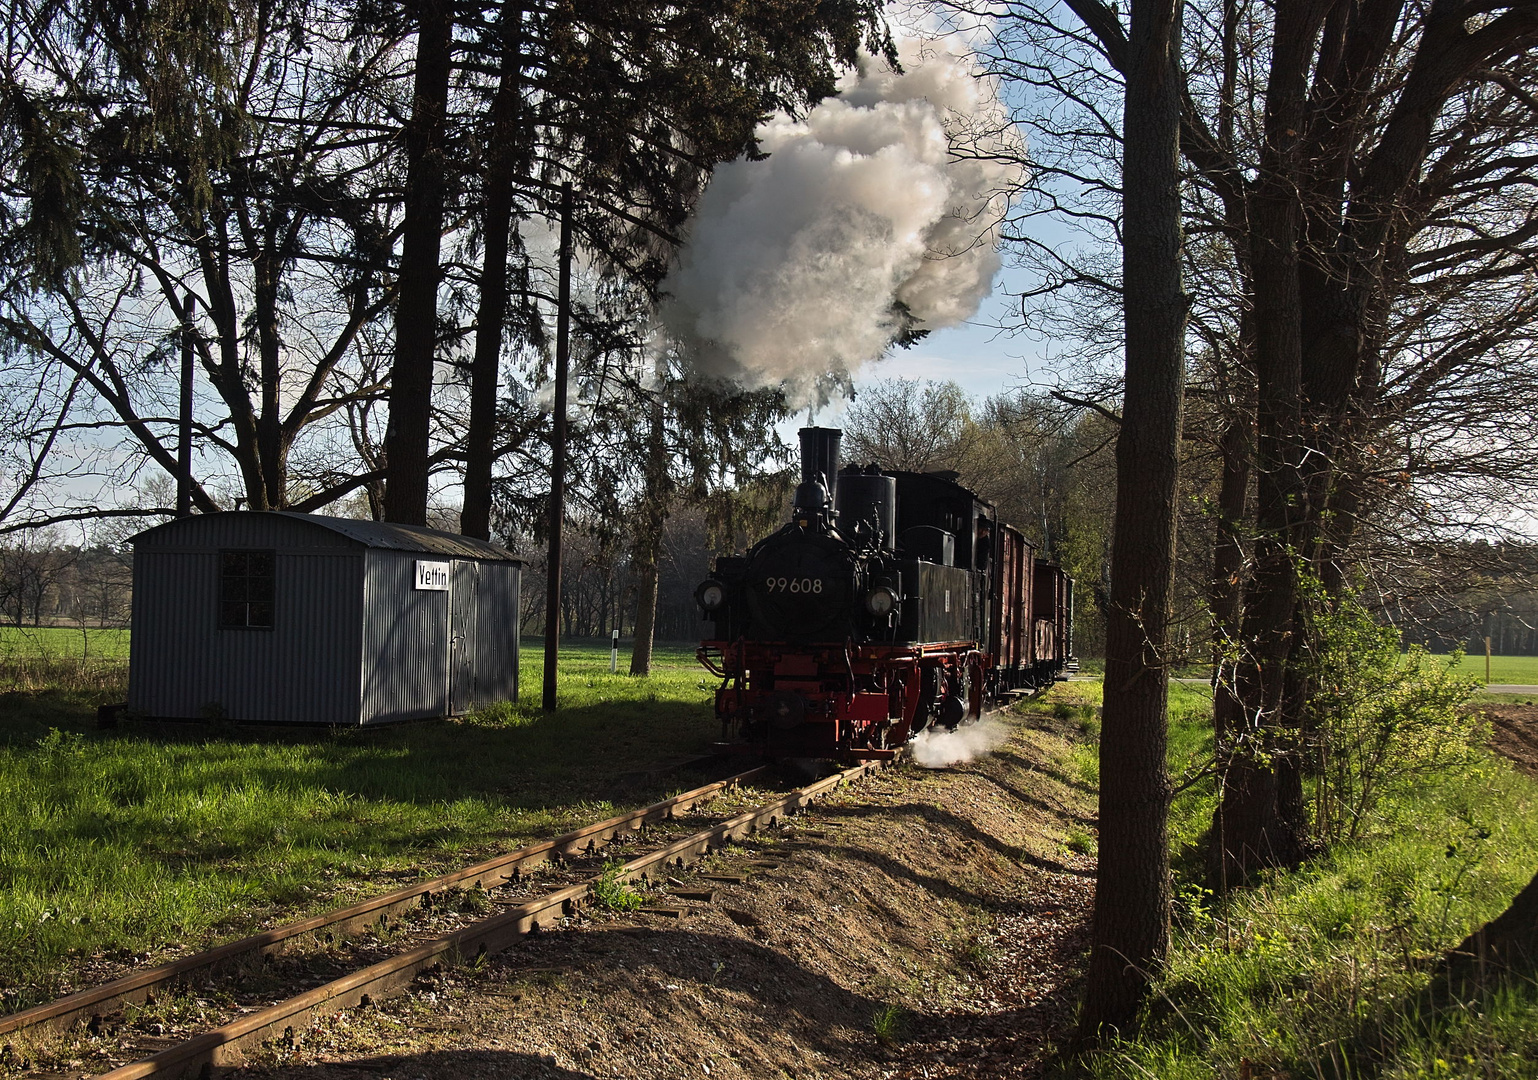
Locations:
891 602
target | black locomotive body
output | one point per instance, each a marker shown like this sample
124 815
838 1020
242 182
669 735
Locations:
892 601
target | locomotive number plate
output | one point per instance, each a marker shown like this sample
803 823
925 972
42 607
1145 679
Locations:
794 584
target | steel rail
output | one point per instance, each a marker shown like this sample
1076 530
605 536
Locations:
494 872
224 1046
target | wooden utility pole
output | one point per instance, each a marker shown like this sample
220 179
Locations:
184 421
558 454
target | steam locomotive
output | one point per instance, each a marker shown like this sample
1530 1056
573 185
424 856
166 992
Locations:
891 602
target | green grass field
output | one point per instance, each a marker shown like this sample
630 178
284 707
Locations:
62 643
1520 670
127 840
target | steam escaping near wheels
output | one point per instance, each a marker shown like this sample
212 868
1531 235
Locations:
936 748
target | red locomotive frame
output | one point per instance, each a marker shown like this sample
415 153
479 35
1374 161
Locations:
860 701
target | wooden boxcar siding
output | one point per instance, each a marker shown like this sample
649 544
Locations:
496 633
1068 627
303 670
1013 571
405 641
1046 641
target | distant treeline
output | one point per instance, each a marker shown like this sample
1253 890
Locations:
1475 591
47 584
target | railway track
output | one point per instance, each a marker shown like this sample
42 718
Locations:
136 987
560 892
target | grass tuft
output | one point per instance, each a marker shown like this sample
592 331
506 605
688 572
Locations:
1080 839
611 890
890 1024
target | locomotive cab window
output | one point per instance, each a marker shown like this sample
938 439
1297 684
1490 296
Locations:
246 587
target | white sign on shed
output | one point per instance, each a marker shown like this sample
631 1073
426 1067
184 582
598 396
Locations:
432 576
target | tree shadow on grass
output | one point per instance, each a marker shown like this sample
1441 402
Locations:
1491 973
958 824
605 752
1046 770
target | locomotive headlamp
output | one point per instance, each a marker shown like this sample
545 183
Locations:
711 594
881 601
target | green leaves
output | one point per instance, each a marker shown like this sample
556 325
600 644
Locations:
1383 716
48 166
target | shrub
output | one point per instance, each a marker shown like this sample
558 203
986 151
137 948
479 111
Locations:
1384 716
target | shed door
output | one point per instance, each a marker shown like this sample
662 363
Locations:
463 590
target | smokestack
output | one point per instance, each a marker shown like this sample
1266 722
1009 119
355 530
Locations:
819 471
819 455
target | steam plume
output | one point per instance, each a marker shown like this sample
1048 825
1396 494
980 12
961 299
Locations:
874 215
936 748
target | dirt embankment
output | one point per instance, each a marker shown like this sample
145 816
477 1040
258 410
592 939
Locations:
932 929
1514 733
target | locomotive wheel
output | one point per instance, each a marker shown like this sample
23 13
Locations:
958 692
929 704
787 709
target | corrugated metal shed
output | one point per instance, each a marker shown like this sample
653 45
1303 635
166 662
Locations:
298 618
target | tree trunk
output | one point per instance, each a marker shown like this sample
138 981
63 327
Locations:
485 367
1227 587
647 578
1255 826
1132 894
649 525
227 373
416 311
269 424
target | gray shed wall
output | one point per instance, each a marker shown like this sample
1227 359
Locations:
429 654
405 642
304 670
496 633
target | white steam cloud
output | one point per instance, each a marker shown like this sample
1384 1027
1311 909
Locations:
884 199
936 748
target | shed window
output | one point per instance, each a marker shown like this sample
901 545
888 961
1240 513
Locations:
246 589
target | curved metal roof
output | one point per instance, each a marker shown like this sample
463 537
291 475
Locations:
389 534
374 534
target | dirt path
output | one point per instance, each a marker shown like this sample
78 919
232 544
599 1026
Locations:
933 930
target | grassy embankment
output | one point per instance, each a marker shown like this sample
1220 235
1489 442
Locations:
1323 972
131 840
